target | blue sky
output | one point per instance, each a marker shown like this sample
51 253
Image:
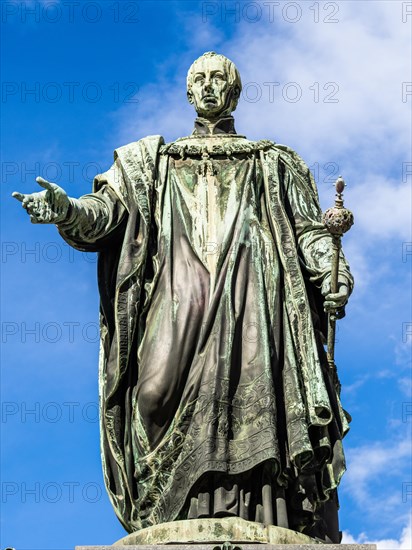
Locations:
330 79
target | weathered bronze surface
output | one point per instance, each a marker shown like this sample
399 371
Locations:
338 220
215 394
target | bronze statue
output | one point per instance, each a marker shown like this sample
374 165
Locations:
214 273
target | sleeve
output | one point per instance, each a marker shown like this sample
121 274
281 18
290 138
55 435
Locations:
94 220
313 239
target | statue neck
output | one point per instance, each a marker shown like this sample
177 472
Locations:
224 125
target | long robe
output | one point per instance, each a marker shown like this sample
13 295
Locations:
215 394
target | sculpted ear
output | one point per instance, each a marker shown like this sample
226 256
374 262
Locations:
190 97
236 92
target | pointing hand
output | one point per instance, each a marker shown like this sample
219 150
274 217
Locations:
49 206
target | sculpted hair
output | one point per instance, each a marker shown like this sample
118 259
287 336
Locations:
234 81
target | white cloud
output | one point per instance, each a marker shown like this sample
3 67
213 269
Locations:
405 385
383 208
351 389
369 461
403 360
404 542
403 348
366 133
161 110
374 482
360 263
364 54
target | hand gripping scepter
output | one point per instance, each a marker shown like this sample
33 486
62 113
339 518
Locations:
337 220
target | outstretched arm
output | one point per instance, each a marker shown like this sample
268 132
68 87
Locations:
83 223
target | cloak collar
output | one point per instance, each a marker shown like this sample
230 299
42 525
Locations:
224 125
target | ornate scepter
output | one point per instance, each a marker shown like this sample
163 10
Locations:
338 220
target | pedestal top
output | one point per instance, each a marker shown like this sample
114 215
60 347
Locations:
221 534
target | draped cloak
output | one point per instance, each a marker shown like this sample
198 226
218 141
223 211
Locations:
215 395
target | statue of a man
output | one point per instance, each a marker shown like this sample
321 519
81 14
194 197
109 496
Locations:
214 270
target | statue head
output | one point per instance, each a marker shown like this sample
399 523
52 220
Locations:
213 85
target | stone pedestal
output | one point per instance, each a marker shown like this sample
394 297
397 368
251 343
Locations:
221 534
230 546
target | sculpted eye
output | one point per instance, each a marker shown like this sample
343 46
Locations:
199 79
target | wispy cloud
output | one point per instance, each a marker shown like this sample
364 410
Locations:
404 542
376 476
364 130
383 207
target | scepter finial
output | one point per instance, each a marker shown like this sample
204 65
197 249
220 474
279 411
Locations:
340 185
338 219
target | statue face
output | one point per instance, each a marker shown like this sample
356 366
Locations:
210 89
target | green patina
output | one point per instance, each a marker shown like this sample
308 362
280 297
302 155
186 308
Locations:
215 393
